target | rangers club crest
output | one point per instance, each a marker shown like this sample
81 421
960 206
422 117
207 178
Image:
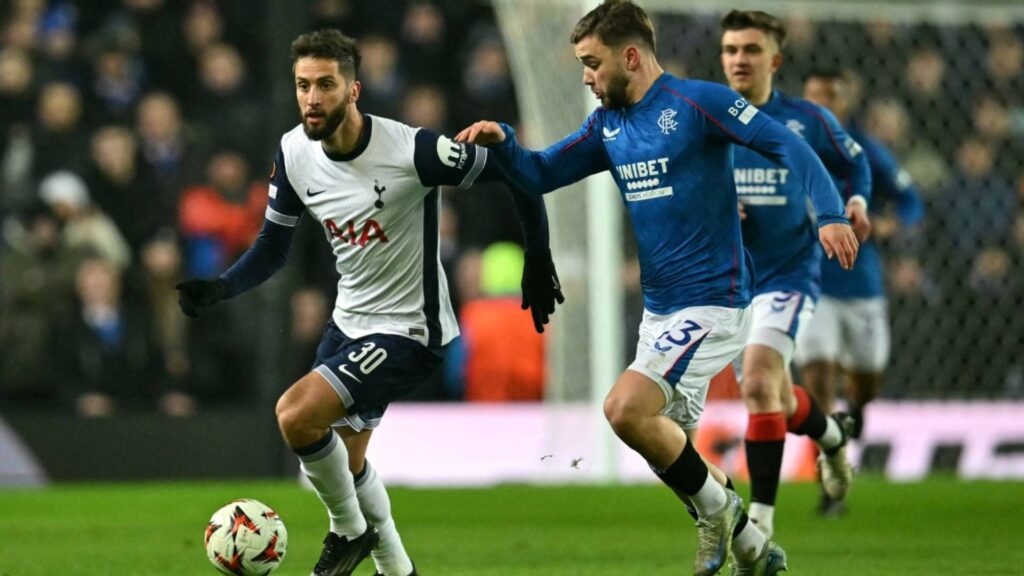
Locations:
667 121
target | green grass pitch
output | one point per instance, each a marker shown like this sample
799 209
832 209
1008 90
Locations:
941 526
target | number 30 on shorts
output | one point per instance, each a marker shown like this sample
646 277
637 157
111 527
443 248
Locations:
369 357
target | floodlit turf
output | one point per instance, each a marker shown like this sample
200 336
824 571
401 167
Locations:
938 527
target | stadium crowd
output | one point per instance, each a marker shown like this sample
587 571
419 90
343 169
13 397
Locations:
136 143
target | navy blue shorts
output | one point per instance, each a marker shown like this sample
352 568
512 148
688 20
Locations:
372 371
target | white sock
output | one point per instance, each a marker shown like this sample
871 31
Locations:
327 470
833 435
710 498
748 544
389 555
763 515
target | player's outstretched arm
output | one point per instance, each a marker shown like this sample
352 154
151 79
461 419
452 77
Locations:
482 133
538 172
266 256
840 242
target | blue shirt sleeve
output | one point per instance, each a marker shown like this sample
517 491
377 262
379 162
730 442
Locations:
842 155
269 252
538 172
780 144
727 115
892 181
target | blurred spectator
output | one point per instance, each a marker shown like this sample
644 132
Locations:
425 44
117 83
17 95
223 106
125 189
219 220
161 260
35 299
203 26
19 31
486 89
60 139
84 227
424 107
108 351
980 203
383 82
331 14
503 356
992 120
888 120
927 90
1004 62
167 146
59 46
992 275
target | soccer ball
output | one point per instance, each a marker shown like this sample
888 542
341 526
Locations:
246 538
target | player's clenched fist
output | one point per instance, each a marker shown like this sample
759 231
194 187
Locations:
839 241
482 133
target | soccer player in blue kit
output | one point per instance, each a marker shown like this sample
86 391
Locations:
372 185
778 229
668 144
851 325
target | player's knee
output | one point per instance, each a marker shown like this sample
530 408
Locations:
289 416
622 414
761 387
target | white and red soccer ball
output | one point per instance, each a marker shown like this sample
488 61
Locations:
245 538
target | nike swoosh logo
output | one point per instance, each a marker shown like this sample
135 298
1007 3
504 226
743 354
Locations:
317 193
610 133
342 368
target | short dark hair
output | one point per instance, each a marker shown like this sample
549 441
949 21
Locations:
329 44
826 73
763 21
614 23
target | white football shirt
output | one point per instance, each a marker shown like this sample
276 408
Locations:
378 208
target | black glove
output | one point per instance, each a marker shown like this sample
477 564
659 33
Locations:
541 288
195 293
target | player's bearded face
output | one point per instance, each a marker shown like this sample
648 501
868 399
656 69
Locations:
614 96
320 123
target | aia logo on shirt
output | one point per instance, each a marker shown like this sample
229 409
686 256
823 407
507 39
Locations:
356 235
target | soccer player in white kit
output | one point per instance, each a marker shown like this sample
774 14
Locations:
372 184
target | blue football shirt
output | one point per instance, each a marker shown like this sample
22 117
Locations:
779 230
671 157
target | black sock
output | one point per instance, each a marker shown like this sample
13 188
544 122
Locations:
857 413
740 525
764 461
814 425
687 474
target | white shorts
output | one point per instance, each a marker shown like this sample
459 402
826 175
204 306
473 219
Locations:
853 333
779 318
681 352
